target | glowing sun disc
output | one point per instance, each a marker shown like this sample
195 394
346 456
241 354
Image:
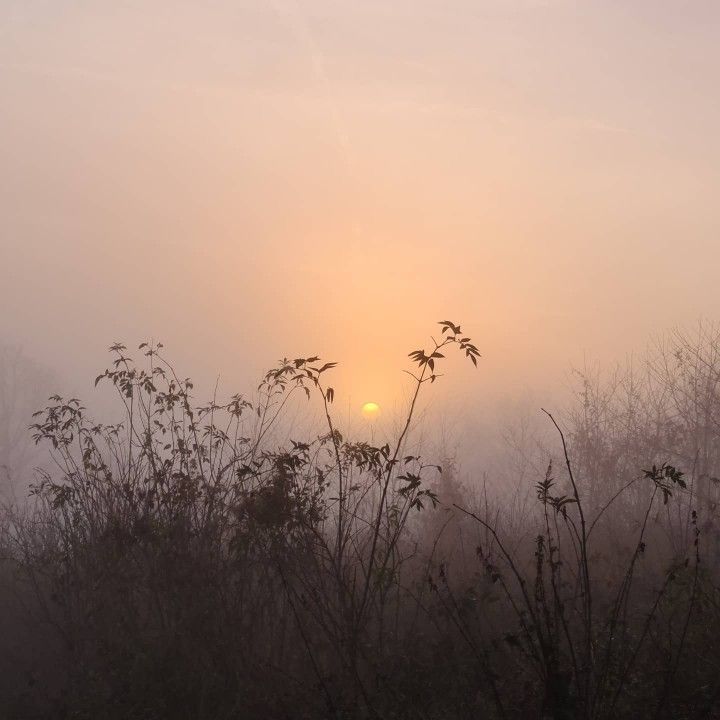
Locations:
370 410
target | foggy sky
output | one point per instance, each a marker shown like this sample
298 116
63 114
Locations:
247 180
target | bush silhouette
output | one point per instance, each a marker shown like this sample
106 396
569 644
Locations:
181 564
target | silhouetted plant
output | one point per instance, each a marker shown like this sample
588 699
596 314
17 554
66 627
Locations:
187 562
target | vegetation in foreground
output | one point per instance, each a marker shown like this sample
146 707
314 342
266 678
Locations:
180 565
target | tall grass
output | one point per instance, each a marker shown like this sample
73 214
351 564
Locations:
182 565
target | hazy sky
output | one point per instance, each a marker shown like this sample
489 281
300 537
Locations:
248 179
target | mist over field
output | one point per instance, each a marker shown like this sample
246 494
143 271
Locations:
359 359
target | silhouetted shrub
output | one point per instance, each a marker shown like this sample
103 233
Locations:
181 564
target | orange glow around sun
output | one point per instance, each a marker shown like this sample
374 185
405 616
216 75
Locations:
370 410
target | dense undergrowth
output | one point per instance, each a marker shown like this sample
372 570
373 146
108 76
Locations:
182 565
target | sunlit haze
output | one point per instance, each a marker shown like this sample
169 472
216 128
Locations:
359 359
252 180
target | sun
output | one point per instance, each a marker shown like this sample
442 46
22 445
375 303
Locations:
370 410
